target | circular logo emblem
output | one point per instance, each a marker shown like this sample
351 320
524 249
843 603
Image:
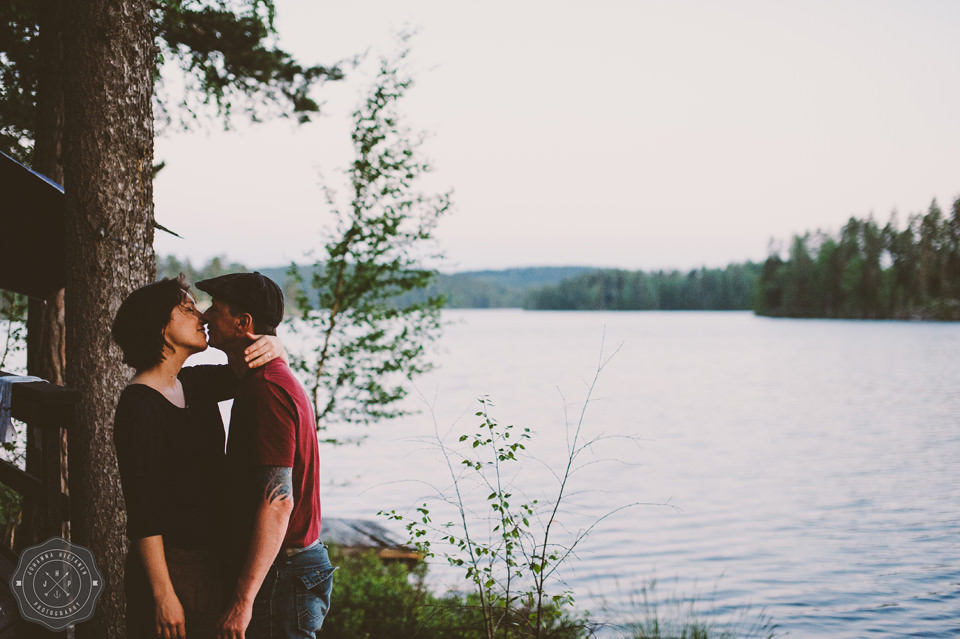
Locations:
56 583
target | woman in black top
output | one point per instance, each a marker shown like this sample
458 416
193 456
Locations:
170 447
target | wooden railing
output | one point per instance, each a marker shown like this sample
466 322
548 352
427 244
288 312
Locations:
46 409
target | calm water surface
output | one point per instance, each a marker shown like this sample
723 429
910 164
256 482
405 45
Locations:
811 468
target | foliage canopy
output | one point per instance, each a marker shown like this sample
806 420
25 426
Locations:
226 51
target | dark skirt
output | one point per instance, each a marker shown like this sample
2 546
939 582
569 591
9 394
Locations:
197 579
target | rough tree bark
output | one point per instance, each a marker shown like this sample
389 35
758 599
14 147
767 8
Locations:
108 160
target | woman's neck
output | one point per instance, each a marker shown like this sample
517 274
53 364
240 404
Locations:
163 376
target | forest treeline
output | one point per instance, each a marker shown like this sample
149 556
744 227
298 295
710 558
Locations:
868 271
507 288
553 287
703 289
170 266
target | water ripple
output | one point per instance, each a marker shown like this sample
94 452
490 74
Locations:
814 466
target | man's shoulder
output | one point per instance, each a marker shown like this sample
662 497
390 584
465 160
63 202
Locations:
272 378
279 373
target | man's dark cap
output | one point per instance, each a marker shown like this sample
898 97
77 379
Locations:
249 292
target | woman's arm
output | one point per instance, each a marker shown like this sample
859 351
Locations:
218 382
169 618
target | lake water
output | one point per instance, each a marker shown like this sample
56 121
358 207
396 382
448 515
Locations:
811 468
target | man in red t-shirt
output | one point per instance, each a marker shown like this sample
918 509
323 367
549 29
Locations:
283 574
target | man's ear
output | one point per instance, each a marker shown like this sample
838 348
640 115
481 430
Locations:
244 323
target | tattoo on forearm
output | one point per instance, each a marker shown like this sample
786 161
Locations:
277 483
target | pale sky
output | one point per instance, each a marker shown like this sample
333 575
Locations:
632 134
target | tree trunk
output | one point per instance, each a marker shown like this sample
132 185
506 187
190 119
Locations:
108 160
45 317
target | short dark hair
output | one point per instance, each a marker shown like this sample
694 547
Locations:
143 316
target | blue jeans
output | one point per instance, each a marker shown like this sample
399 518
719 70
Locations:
294 597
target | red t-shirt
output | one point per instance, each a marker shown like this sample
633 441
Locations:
272 424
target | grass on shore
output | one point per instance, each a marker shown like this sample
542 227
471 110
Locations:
376 599
684 617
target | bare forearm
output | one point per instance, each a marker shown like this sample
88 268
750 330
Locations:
168 611
270 527
154 562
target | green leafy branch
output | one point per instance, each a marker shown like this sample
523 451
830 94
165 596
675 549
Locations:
227 53
371 340
514 567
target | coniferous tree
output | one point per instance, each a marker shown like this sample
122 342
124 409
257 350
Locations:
871 282
731 288
228 62
76 79
109 218
224 50
870 272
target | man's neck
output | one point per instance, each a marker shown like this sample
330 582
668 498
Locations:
236 362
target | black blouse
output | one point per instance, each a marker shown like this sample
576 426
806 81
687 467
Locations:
171 459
